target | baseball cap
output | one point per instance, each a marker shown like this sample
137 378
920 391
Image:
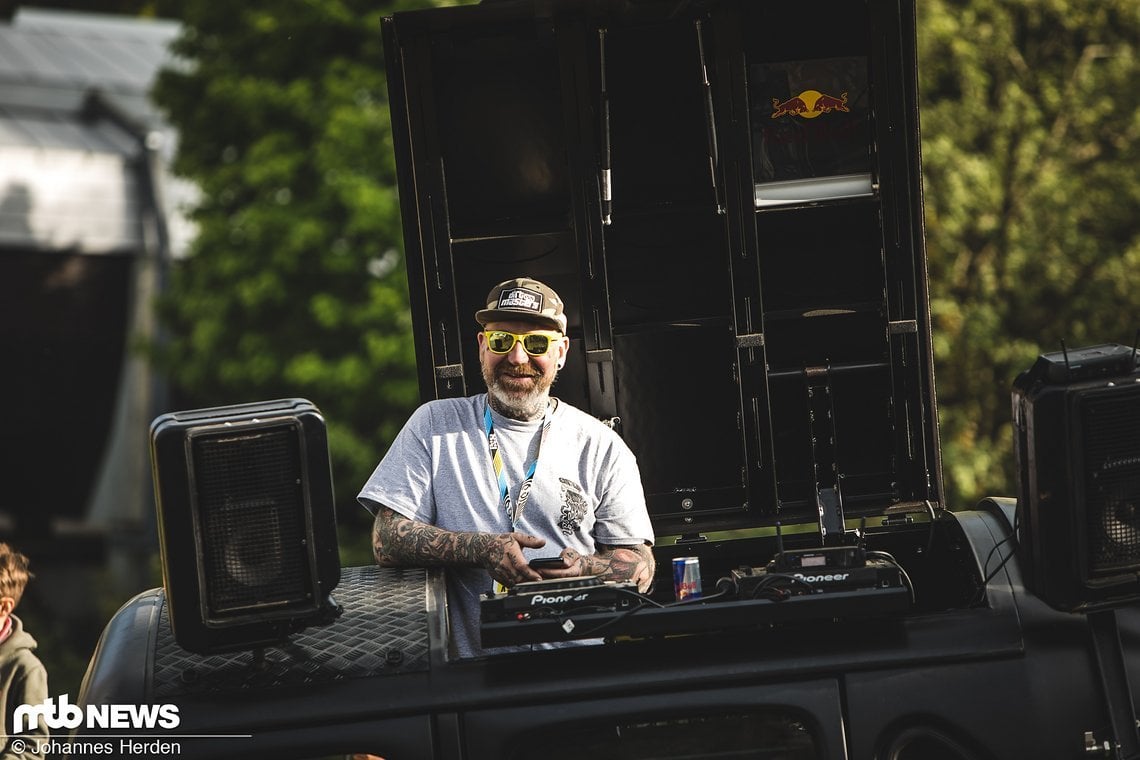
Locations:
523 298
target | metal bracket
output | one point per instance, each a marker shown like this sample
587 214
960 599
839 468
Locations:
750 340
825 473
445 371
600 355
902 327
1114 683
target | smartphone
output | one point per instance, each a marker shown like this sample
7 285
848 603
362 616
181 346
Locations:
547 562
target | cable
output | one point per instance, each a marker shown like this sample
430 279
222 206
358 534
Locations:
933 520
989 576
696 599
647 602
772 587
888 557
641 597
590 632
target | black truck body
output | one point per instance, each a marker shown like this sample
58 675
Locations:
727 194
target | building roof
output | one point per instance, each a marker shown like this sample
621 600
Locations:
51 59
75 115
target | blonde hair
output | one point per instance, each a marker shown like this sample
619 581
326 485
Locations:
14 572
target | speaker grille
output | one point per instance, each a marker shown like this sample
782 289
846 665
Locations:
1110 438
251 517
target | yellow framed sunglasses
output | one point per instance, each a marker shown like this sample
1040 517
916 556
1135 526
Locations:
534 343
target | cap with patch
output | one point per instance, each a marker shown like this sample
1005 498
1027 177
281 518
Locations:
523 299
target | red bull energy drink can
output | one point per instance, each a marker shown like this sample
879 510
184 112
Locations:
686 577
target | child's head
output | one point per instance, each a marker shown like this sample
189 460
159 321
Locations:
14 577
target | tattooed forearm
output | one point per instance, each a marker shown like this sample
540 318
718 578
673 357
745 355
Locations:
622 563
397 541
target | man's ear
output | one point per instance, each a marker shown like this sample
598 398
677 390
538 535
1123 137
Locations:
7 604
565 344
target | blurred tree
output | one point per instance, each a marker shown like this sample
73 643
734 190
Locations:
1031 147
296 283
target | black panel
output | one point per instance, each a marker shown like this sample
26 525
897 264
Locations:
681 422
501 130
764 734
668 269
862 427
821 258
657 119
808 29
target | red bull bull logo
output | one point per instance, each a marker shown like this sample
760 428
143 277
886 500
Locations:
809 104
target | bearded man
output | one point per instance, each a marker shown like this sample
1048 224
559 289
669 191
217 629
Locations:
483 485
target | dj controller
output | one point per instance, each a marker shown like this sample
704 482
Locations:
800 586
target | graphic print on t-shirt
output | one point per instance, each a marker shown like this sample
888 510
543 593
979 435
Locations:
573 507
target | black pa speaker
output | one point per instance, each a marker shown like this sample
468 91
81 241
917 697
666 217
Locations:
1077 447
246 523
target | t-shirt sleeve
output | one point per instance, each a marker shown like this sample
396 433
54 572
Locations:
403 479
622 516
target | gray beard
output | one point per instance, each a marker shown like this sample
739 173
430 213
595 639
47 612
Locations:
525 408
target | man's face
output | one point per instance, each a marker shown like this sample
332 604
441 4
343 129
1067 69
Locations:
519 384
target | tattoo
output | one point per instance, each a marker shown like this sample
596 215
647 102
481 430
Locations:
399 541
396 540
622 563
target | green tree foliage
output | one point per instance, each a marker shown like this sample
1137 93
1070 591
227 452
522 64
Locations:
296 284
1030 114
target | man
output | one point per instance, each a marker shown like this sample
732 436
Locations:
482 485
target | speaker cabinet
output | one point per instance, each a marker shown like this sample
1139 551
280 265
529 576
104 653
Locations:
246 521
1077 447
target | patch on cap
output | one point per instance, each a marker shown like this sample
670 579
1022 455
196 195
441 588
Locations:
521 298
526 299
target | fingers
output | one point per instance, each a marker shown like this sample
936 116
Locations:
509 566
530 542
574 564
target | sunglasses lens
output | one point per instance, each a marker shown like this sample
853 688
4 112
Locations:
500 342
536 345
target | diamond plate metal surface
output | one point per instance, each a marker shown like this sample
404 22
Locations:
382 631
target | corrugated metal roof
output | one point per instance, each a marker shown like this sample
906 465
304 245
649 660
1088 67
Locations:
63 50
58 131
67 172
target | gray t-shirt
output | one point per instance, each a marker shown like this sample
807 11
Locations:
586 488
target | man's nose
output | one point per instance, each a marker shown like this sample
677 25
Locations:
518 354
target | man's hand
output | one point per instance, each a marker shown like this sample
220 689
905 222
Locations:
505 560
610 563
399 541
